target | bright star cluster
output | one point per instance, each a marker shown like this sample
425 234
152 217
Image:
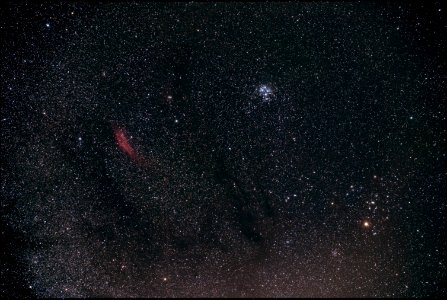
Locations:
265 92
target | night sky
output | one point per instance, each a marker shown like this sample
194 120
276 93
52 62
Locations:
230 149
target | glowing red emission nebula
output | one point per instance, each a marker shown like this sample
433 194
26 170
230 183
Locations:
123 143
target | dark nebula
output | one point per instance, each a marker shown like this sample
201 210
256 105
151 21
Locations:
223 149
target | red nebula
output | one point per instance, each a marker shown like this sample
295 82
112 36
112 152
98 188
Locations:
123 143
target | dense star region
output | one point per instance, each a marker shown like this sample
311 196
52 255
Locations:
223 149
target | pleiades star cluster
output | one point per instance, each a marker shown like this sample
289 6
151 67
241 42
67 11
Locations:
223 149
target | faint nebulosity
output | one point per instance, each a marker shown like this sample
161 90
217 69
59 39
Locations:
223 149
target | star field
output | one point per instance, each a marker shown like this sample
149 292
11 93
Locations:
223 149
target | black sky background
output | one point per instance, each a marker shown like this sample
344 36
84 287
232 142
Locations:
273 187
